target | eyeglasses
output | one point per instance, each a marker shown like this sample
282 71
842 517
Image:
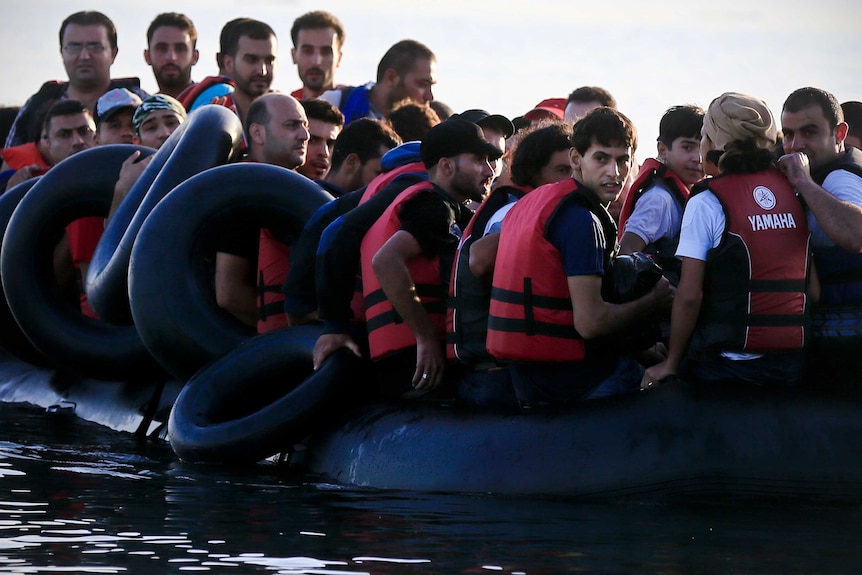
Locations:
75 48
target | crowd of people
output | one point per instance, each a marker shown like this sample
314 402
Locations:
466 254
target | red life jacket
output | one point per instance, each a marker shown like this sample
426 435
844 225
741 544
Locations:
24 155
384 179
530 316
650 170
273 263
386 332
754 285
83 235
357 304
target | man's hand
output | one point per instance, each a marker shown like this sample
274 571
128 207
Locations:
328 343
24 174
796 168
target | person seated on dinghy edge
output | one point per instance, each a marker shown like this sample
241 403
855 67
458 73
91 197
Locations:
406 259
827 175
338 270
538 155
740 313
340 303
277 135
548 318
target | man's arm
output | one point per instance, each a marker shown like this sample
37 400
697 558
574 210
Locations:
483 254
594 317
631 243
130 171
841 221
233 291
683 318
390 266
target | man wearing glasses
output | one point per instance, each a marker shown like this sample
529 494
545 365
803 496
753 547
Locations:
88 46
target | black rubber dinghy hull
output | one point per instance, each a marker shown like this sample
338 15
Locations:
674 441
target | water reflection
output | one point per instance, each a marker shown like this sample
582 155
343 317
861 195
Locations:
76 497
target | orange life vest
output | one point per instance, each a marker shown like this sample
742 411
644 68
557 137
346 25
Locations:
387 333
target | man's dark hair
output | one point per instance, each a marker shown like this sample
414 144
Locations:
322 110
317 20
853 116
535 149
174 20
90 18
7 118
680 122
238 27
402 57
62 108
443 110
411 120
363 137
606 126
586 94
803 98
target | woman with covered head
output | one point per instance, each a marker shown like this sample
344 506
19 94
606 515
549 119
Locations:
740 309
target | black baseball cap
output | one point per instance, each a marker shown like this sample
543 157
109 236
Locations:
453 137
483 118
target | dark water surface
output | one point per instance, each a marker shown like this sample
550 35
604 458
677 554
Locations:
80 498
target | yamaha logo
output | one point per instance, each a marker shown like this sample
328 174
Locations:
764 197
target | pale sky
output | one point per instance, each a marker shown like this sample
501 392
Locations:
505 56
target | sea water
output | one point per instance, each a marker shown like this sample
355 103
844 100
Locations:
77 497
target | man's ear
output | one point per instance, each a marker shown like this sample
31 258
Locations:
352 163
227 63
662 151
575 159
391 77
257 133
841 132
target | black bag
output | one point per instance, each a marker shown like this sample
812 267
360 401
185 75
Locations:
629 277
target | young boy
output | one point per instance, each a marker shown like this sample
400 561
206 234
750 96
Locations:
651 216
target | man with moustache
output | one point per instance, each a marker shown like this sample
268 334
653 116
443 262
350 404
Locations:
277 135
88 45
406 258
317 40
827 176
171 51
247 63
